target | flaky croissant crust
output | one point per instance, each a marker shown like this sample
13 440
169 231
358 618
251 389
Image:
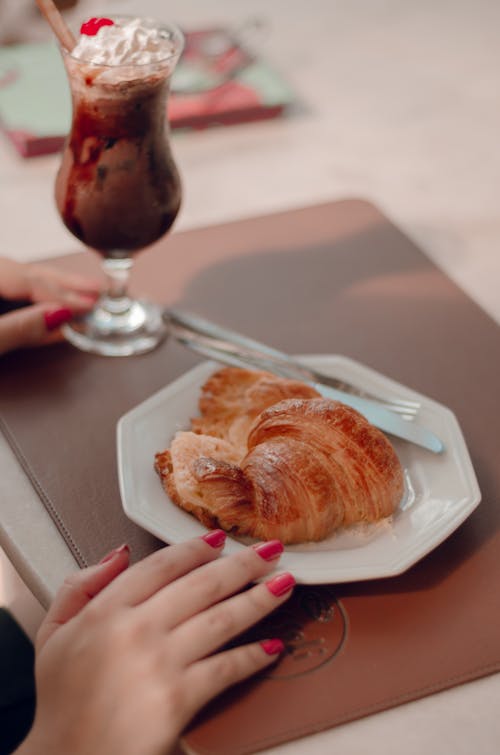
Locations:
310 465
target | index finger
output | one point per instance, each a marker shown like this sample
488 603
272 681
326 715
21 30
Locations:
49 281
145 578
79 283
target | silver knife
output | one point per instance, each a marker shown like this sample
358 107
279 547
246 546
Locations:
382 418
289 366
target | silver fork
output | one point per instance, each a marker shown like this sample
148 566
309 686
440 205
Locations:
212 341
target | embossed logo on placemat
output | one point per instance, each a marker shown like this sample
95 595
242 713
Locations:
313 626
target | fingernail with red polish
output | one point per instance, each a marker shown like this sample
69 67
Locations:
272 647
123 548
57 317
216 538
270 550
281 584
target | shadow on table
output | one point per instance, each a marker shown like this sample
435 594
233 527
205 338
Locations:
399 315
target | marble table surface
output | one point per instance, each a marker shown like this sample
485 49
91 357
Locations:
397 102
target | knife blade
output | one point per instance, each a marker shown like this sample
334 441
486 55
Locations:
382 418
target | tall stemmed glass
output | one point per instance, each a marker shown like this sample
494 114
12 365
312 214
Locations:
118 189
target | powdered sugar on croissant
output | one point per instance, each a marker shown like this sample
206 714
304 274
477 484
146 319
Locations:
309 464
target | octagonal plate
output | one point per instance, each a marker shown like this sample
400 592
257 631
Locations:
441 490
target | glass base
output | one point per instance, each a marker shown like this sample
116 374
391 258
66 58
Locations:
137 330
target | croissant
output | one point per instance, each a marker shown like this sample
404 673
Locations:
309 466
232 398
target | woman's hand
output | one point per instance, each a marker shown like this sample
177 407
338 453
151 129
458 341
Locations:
57 296
42 283
126 657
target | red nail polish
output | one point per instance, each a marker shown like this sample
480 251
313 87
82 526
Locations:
270 550
281 584
216 538
57 317
114 553
272 647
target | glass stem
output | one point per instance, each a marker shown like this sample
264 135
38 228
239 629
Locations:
116 300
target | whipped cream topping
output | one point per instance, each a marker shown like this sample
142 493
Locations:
129 42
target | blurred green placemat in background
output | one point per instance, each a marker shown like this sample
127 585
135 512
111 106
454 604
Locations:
35 107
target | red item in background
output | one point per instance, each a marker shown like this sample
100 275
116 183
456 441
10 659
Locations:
247 90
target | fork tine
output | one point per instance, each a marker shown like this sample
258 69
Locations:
411 410
397 404
404 403
401 410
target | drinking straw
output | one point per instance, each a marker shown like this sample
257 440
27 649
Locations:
56 21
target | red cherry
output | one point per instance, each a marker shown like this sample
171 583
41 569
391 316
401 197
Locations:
92 26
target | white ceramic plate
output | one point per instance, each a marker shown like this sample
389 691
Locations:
442 490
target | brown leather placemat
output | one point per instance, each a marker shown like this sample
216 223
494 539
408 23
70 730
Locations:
336 278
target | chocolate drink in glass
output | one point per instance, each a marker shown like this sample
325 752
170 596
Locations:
118 189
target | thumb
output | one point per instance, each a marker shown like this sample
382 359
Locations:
31 326
78 589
